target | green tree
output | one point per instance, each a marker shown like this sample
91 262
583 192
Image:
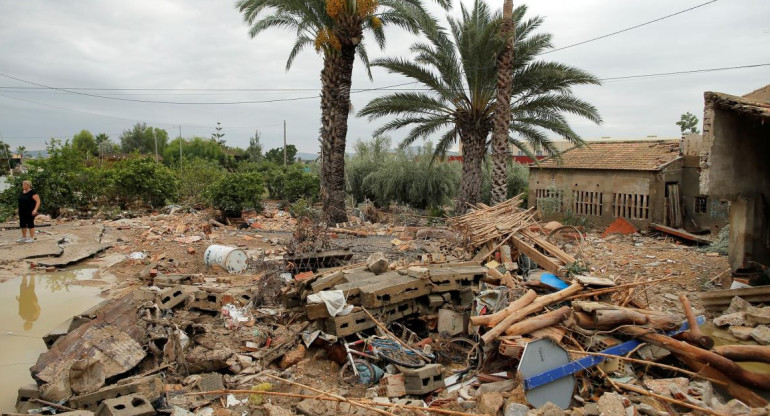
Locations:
459 71
140 180
688 123
85 143
276 155
336 29
102 143
217 136
235 192
254 151
195 177
197 147
21 151
142 138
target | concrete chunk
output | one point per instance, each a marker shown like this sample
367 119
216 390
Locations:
761 334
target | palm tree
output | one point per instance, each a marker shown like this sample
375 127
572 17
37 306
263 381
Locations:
336 29
459 73
20 150
502 119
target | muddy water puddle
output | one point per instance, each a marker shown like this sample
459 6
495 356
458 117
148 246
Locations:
31 305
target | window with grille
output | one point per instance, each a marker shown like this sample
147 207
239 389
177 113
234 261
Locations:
632 206
701 204
587 203
549 200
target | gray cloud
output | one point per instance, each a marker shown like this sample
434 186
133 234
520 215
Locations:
205 44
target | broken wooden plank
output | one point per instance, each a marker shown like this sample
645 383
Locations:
680 233
546 262
720 299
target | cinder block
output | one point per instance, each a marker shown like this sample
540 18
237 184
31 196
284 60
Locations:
169 280
393 290
456 278
149 387
131 405
464 297
423 380
23 403
207 300
174 296
452 323
238 296
349 324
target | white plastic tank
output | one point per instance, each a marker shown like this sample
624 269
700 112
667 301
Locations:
231 259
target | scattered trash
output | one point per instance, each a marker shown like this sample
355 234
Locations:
137 255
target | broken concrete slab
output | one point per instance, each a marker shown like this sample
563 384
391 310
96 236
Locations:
761 334
757 316
45 246
113 338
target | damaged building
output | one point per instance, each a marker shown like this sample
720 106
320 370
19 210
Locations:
736 146
651 183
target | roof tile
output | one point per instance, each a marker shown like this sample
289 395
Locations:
647 155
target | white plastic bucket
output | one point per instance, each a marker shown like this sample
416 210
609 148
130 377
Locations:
230 258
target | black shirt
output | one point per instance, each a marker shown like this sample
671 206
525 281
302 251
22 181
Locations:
26 203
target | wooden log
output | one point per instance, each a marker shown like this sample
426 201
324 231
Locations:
539 322
744 394
495 318
694 333
751 353
617 288
725 365
535 306
609 318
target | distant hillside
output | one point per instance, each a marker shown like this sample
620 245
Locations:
307 156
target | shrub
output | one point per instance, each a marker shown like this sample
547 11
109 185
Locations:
195 176
141 179
235 192
59 179
369 157
413 178
291 184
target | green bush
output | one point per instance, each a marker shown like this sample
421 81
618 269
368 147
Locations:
291 184
235 192
58 179
413 178
195 176
142 180
369 157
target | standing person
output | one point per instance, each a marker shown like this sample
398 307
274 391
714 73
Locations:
29 203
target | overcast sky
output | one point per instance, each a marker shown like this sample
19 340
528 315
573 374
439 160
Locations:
204 44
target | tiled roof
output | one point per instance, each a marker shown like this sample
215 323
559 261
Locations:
644 155
740 104
761 95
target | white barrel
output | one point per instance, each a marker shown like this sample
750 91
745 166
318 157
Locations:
231 259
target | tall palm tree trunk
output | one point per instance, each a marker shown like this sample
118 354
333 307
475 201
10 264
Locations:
474 146
501 154
336 78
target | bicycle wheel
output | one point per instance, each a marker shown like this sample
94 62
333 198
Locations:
392 352
366 374
462 351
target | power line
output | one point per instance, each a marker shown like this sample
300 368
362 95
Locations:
186 102
693 71
629 28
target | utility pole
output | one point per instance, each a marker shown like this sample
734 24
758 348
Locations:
156 143
284 143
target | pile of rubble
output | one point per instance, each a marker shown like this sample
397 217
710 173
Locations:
499 315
